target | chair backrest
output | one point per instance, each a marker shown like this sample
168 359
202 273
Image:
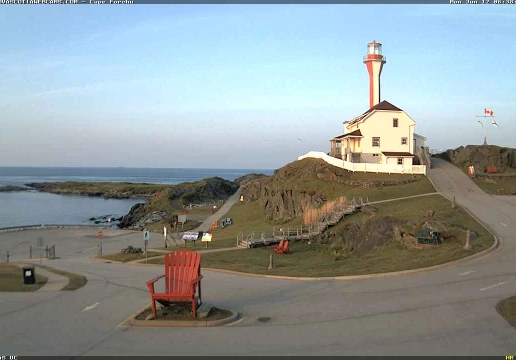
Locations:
181 267
285 246
280 246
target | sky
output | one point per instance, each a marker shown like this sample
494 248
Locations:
242 86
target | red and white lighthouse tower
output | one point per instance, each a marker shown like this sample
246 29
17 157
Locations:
374 61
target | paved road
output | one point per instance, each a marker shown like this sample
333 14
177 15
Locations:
445 312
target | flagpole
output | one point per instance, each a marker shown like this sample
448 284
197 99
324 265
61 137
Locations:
484 126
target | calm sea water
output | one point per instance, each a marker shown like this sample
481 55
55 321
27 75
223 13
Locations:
33 208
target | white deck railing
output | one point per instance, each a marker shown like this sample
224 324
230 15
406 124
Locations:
366 167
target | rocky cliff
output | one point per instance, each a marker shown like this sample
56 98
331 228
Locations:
202 191
482 156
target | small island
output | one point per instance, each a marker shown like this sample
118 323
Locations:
12 188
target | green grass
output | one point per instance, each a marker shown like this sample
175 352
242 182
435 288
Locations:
495 185
128 257
75 281
11 279
507 309
313 260
246 218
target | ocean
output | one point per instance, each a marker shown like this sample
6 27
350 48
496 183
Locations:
34 208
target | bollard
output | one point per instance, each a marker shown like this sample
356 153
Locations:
271 262
7 255
453 203
30 252
468 242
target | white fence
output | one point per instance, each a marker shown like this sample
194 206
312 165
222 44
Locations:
366 167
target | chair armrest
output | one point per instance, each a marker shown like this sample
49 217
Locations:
155 279
150 283
196 280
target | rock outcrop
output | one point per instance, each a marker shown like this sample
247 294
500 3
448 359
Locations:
210 189
303 185
375 231
137 212
161 206
482 156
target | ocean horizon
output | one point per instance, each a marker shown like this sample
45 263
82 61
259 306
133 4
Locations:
21 175
32 207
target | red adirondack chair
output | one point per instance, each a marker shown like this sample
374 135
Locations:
282 247
182 279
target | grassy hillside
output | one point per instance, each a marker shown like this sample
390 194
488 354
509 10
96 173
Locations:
317 177
315 259
310 183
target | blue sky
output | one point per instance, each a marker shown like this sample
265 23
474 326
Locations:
236 86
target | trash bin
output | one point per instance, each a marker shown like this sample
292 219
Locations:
29 275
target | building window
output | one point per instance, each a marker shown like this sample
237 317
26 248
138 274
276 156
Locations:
400 161
376 142
404 141
394 122
375 155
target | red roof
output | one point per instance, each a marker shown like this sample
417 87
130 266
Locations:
384 105
356 133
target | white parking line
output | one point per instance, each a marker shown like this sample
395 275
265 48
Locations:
90 307
466 273
495 285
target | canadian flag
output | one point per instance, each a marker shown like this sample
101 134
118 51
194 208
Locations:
488 112
494 123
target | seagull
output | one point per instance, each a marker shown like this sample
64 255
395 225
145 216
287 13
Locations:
299 139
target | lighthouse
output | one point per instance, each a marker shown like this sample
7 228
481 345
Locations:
374 61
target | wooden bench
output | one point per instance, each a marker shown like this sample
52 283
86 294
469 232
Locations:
182 279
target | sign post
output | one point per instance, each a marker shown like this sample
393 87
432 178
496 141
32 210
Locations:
100 234
146 236
165 235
